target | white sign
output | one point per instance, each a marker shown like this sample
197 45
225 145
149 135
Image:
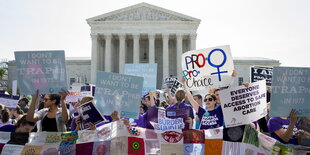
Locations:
243 105
207 68
14 87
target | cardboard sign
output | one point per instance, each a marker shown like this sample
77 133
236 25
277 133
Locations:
168 82
175 86
207 68
118 92
290 90
243 105
89 114
147 71
43 70
261 73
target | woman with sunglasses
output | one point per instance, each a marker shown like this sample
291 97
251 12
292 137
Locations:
211 118
53 119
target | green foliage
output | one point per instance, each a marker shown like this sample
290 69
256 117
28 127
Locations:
2 72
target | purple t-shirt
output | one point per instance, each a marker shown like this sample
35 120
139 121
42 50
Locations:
210 119
276 123
184 107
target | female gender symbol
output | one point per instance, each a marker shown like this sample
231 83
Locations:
217 66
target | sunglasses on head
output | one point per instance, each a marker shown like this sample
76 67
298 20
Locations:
208 99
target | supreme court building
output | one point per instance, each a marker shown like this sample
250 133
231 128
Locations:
141 33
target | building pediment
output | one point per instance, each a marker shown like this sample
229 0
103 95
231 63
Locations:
143 12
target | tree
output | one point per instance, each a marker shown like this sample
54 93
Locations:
2 72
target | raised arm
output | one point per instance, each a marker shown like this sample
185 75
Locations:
30 114
191 100
64 110
287 134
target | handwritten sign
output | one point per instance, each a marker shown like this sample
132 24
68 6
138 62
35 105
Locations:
89 114
243 105
290 90
207 68
148 71
165 123
43 70
118 92
260 73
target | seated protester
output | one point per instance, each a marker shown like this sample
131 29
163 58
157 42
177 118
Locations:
285 129
53 119
211 118
180 104
22 125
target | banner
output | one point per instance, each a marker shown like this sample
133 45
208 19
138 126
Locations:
207 68
145 142
243 105
290 90
148 71
118 92
10 103
43 70
261 73
89 114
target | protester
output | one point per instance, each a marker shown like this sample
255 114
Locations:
180 105
211 118
52 118
285 129
23 103
22 125
6 117
198 99
18 113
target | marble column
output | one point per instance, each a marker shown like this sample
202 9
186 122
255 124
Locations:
107 58
193 41
122 38
136 48
151 48
179 54
94 39
165 55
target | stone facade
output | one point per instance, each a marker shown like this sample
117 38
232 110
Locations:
142 33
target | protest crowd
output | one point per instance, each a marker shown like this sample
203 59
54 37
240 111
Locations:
175 107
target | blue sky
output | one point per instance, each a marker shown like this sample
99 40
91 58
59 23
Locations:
276 29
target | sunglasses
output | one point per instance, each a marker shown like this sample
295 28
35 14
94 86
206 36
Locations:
208 99
46 99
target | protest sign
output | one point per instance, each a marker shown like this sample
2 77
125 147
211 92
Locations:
168 82
243 105
290 90
165 123
89 114
43 70
207 68
118 92
10 103
14 87
175 86
73 96
178 113
148 71
260 73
